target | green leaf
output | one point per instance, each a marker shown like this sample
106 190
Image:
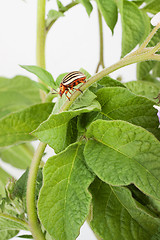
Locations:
116 215
146 89
121 153
87 5
133 26
20 186
108 8
41 73
64 199
88 75
55 131
52 16
7 222
156 70
6 235
147 28
60 78
110 82
16 127
4 176
17 93
152 7
120 103
61 7
19 156
25 236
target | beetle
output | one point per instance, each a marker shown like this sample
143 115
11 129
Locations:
71 80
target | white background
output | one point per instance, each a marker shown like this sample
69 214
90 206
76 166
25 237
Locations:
72 43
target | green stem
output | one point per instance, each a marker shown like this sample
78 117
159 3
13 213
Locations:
122 63
101 61
6 216
66 8
31 186
41 38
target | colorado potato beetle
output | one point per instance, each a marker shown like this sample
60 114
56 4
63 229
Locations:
71 80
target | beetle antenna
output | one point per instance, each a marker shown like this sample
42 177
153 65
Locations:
54 91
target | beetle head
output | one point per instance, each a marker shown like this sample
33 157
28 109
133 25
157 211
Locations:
62 89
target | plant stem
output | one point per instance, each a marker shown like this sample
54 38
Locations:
101 61
41 38
31 186
144 56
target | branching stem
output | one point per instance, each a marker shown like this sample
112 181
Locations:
141 54
101 60
66 8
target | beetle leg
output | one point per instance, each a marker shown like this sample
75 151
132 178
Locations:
66 94
77 89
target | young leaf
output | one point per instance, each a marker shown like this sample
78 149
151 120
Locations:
109 11
17 93
19 156
121 153
132 26
143 88
41 73
16 127
116 215
60 6
87 5
64 200
53 15
120 103
55 130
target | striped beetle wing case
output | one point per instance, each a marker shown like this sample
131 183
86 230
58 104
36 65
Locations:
73 77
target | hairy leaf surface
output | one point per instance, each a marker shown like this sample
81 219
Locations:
16 127
120 103
64 200
121 153
7 223
8 234
55 130
17 93
132 26
116 215
19 156
146 89
41 73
